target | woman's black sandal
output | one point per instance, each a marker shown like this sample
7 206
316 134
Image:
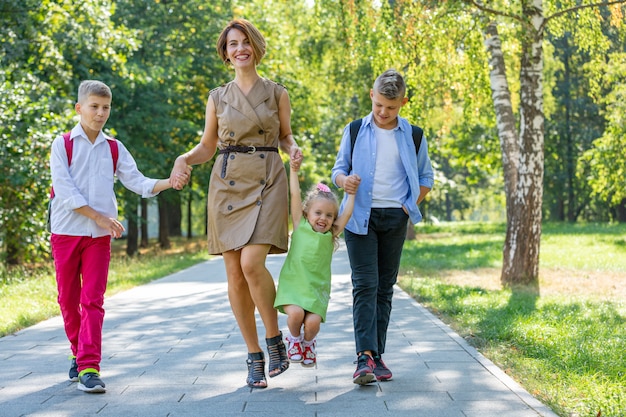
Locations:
256 370
279 362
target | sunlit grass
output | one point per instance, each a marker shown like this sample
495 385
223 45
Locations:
566 347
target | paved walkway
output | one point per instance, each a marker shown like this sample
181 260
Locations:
171 348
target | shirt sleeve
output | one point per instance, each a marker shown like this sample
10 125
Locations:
65 190
130 176
344 156
424 167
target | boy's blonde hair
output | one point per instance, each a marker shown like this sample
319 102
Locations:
322 192
390 84
93 88
257 41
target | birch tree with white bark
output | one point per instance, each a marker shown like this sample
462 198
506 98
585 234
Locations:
522 136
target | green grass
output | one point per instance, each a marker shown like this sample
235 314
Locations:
568 347
28 296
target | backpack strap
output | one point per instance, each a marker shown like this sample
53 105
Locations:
355 126
69 148
115 153
418 133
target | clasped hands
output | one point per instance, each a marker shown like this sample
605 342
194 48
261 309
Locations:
351 183
180 175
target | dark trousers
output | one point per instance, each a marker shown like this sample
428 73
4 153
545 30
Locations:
375 260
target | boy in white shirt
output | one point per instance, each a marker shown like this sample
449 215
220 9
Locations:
83 218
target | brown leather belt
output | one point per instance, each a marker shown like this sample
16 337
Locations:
242 149
248 149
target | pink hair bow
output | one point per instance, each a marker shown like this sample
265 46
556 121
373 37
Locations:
323 187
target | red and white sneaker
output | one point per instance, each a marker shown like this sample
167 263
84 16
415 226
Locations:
294 349
310 356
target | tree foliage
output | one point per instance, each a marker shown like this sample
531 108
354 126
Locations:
46 47
159 58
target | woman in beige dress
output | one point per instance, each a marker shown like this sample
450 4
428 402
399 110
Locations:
247 120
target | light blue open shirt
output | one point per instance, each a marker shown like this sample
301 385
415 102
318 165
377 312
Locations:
419 171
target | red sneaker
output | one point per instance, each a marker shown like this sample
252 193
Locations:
310 357
294 349
381 371
364 373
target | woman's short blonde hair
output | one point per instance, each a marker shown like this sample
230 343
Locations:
252 33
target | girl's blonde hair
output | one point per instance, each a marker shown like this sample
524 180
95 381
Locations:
321 191
252 33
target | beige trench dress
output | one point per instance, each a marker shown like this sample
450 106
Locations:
248 196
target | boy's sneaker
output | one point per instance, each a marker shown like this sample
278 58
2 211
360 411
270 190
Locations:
310 357
73 374
294 349
381 371
364 373
90 382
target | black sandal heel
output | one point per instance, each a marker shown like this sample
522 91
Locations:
279 362
256 370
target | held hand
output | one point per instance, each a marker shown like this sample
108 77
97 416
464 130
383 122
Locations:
295 158
114 227
180 175
351 184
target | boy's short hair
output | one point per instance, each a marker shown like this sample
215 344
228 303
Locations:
257 41
390 84
93 88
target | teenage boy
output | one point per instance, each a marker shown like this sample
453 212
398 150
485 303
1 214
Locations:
395 178
83 218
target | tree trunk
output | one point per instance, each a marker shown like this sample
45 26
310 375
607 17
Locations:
410 231
522 155
12 253
164 237
620 212
132 230
174 210
144 224
189 214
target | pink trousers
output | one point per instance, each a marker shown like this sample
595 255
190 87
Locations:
82 268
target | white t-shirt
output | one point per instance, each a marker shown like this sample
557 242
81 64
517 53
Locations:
390 185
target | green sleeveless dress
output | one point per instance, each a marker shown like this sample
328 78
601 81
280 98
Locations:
305 276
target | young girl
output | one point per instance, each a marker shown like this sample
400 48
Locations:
304 281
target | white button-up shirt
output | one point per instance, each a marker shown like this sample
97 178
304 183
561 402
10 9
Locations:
88 181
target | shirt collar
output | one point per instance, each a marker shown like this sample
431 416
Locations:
369 119
79 131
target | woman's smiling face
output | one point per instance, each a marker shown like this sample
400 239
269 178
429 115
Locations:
238 48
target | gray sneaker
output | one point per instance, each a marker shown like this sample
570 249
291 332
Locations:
73 374
91 382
